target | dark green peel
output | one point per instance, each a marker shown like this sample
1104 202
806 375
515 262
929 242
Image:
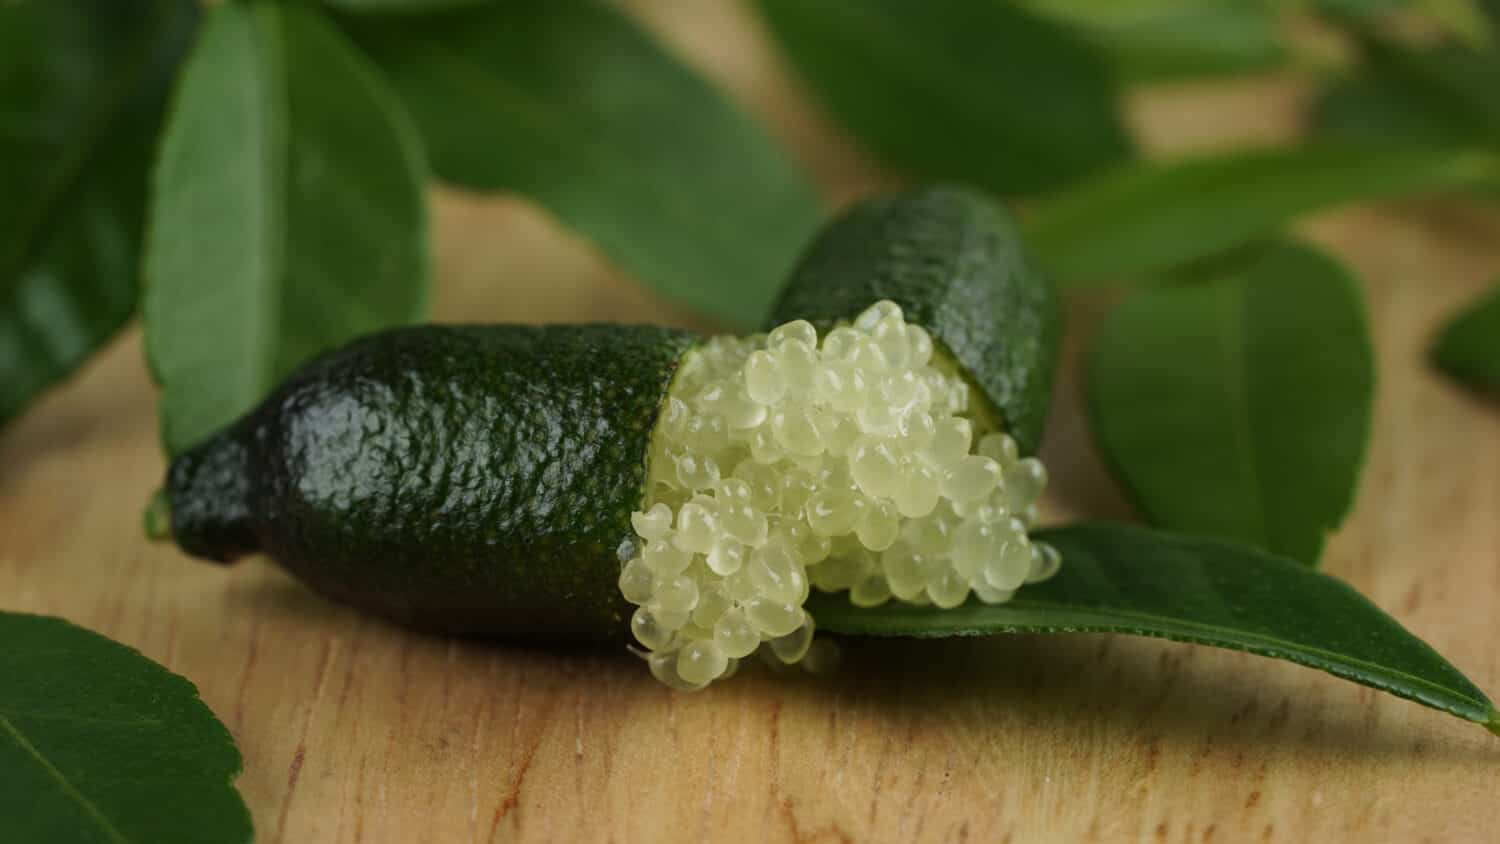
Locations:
952 259
465 479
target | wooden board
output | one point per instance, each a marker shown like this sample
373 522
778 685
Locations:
354 730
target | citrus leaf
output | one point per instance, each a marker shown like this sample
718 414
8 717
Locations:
98 743
1454 83
83 86
1147 217
1372 109
1240 406
571 105
287 215
1123 579
402 7
1435 96
1469 345
1491 11
1150 40
1461 20
982 92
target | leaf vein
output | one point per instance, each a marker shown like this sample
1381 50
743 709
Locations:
1237 376
62 780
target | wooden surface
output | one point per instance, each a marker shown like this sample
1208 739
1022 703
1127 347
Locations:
353 730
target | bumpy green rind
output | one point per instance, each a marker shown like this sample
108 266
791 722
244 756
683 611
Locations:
952 259
474 480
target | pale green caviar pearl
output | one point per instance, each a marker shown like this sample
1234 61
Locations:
763 378
637 582
735 635
792 647
700 662
648 631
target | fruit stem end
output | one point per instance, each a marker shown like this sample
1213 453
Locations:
158 518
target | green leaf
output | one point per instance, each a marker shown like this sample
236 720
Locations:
1166 39
98 743
1122 579
1438 94
1463 20
572 105
83 86
1491 10
1466 20
288 214
1240 406
1469 345
1453 83
951 89
1374 108
1369 109
1148 217
415 7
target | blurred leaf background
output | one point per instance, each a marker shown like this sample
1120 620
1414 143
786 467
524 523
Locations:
250 176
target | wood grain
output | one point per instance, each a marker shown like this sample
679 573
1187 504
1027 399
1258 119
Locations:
354 730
